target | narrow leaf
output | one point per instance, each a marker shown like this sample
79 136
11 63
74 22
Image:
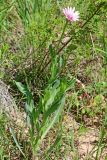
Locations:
15 140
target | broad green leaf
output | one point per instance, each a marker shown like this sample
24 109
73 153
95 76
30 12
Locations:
55 118
30 103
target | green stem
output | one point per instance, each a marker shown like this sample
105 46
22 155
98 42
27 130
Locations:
69 40
62 34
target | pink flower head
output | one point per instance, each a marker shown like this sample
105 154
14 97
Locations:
71 14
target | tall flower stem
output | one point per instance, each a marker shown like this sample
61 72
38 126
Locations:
62 34
69 40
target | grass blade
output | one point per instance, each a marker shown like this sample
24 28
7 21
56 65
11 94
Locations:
16 142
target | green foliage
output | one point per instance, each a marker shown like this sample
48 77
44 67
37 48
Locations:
39 49
51 105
